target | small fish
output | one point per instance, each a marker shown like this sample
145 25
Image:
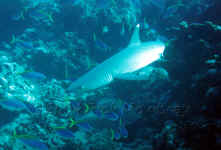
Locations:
65 133
24 44
37 14
125 107
33 143
30 141
21 43
15 39
33 75
111 116
41 14
101 45
13 104
123 132
31 108
84 126
81 125
115 135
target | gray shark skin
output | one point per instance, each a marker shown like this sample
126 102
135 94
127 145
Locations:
136 56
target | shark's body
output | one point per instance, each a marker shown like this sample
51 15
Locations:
136 56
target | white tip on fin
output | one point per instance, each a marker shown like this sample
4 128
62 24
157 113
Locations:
135 39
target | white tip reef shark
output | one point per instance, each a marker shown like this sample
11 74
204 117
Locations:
132 58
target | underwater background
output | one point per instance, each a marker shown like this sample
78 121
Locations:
45 45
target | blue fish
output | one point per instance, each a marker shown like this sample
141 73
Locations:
13 104
26 45
84 126
125 107
123 132
34 143
128 107
101 45
111 116
31 108
65 133
33 75
36 14
117 135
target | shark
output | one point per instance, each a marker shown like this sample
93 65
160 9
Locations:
132 58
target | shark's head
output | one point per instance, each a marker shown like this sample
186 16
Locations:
157 48
148 53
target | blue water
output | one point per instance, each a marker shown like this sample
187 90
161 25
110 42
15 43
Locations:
171 104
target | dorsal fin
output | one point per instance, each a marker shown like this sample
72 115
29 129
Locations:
135 39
